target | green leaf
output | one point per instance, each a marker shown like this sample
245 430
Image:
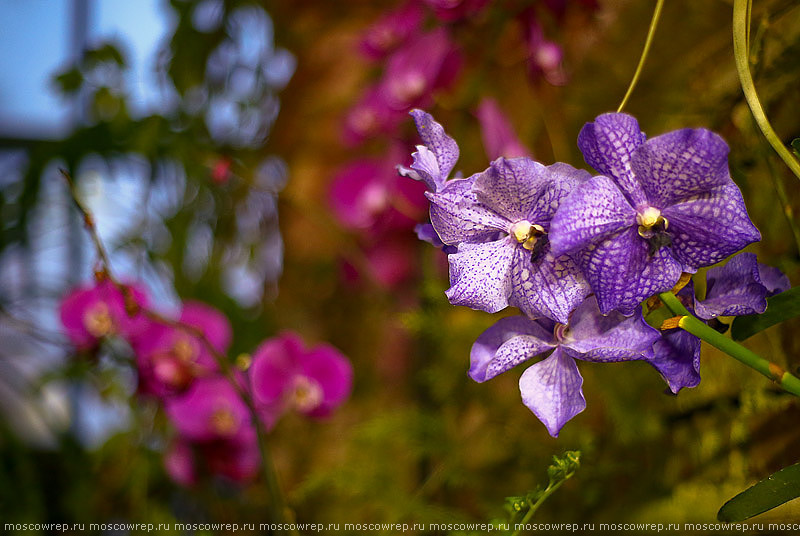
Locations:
796 147
780 307
771 492
69 81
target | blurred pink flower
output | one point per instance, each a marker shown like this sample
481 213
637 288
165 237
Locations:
210 409
170 358
285 375
453 10
370 117
544 57
420 67
391 30
498 136
89 313
368 194
238 461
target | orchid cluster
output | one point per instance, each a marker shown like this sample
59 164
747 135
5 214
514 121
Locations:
180 363
417 50
578 254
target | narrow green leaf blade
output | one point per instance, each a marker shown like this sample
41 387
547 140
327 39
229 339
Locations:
779 308
796 147
771 492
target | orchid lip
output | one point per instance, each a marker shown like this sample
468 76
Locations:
526 233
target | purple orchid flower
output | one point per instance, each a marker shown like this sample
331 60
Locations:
662 207
499 220
391 30
90 313
435 159
551 388
286 375
498 136
740 287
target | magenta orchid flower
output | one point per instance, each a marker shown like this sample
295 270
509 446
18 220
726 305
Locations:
170 358
90 313
390 31
286 375
498 136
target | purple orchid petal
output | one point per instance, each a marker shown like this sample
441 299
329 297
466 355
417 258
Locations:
710 226
622 273
480 275
594 337
595 210
677 359
680 164
550 286
424 169
608 145
443 147
458 217
510 187
551 389
734 289
772 278
509 342
427 233
497 134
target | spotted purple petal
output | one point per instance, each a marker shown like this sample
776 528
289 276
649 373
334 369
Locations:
622 273
608 144
680 164
458 217
734 289
708 227
510 186
772 278
443 147
596 209
509 342
551 389
594 337
677 359
548 286
480 275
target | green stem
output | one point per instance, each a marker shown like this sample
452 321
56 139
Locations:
551 488
698 328
650 33
741 23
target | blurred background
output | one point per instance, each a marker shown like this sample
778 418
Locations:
243 153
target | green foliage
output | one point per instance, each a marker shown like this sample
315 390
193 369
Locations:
767 494
780 308
796 147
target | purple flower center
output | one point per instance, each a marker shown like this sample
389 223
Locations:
560 332
305 394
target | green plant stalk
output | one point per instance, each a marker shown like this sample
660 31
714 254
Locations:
650 33
688 322
551 488
786 204
741 24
